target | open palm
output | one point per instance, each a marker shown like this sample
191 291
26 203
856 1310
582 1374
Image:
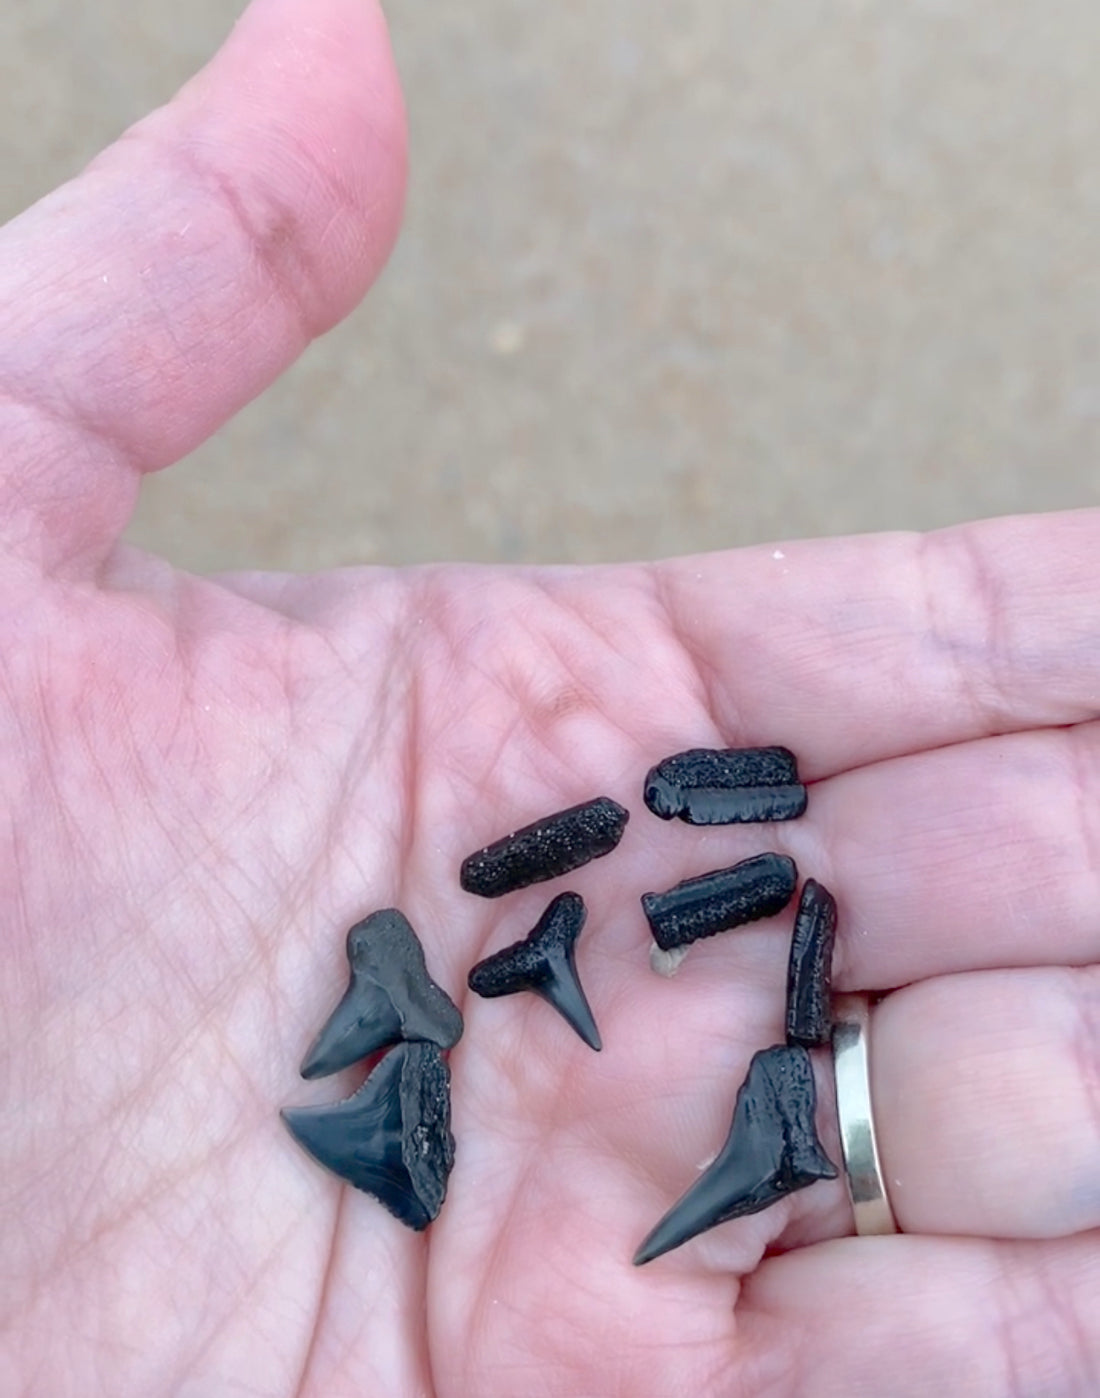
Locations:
206 782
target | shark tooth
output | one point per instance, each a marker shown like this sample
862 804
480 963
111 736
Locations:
810 969
715 902
723 786
544 963
392 1138
390 997
771 1151
554 845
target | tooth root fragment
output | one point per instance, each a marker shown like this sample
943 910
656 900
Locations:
772 1150
715 902
390 997
546 848
544 963
724 786
810 969
666 963
392 1138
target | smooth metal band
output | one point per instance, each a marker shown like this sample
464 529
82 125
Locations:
866 1186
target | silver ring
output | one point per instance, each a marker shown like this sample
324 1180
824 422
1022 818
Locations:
866 1185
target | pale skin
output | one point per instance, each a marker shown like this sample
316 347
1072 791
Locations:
206 781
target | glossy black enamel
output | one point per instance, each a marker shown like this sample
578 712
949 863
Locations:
758 887
772 1150
544 963
390 997
546 848
810 969
392 1139
724 786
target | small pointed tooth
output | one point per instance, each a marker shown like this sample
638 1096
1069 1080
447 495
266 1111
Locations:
771 1151
563 990
364 1021
390 997
392 1138
746 1177
385 949
544 962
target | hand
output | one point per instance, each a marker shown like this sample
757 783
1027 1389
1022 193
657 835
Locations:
206 782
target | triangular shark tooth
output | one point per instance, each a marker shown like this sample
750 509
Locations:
392 1138
544 963
771 1151
390 997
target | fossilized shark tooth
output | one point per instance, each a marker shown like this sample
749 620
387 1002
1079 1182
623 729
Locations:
771 1151
544 963
546 848
700 907
721 786
392 1139
390 997
810 968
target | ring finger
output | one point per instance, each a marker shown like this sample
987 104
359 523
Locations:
985 1089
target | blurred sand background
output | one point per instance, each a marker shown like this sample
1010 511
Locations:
673 277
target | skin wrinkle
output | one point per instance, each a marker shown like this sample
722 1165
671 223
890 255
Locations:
1088 821
244 1289
705 677
61 419
540 719
1085 1048
1016 1305
1073 1345
166 1068
300 1388
267 240
482 1306
933 562
116 1224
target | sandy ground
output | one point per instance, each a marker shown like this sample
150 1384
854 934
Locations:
674 277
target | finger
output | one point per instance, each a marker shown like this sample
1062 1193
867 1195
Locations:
909 1317
986 1090
849 651
986 1095
853 650
976 856
191 263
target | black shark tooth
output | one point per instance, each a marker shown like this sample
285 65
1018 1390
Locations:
554 845
755 888
771 1151
544 962
810 969
723 786
390 997
392 1139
